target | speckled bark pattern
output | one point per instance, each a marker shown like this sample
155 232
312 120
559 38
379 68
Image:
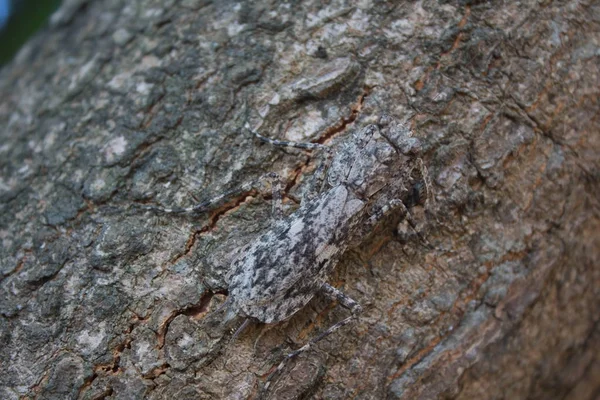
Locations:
121 102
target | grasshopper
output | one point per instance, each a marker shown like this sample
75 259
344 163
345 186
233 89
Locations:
376 172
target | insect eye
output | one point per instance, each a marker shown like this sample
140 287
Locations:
416 195
419 193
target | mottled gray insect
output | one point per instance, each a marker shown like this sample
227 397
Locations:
372 174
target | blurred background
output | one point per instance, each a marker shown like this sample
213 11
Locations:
19 19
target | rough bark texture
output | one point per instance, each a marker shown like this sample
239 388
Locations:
125 101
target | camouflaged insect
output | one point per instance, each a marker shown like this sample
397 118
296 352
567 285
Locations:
374 173
280 271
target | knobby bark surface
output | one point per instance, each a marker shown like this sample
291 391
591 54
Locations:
123 102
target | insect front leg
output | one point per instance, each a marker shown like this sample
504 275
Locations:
335 295
382 212
407 216
421 194
376 216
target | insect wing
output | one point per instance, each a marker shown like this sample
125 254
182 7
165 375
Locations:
280 271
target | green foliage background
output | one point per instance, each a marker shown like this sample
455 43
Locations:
27 17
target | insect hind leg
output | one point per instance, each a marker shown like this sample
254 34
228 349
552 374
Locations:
276 187
277 193
284 143
318 179
333 294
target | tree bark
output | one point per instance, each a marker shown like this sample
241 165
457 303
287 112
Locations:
126 102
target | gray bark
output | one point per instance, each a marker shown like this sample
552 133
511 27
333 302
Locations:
121 102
